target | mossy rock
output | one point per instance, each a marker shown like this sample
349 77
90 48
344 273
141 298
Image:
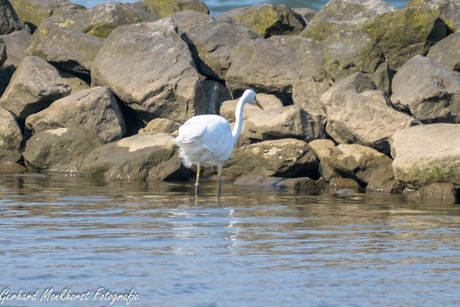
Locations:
447 10
405 33
167 7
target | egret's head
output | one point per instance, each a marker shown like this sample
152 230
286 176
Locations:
249 96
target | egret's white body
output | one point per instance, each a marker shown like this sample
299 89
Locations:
208 140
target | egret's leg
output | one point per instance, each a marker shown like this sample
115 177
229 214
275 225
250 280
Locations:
219 173
197 183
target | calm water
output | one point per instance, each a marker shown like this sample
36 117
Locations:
255 248
220 6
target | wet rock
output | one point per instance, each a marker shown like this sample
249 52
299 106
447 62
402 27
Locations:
95 109
343 187
258 181
267 19
443 193
167 7
10 137
357 162
401 34
9 20
33 87
448 11
446 51
12 168
59 150
160 125
337 15
324 149
131 158
301 184
212 44
428 90
162 79
358 114
285 122
347 52
383 180
281 158
427 154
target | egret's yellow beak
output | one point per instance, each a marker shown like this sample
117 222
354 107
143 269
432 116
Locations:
259 105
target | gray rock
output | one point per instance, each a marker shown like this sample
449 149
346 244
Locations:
337 15
435 193
324 149
216 94
166 8
10 137
162 80
383 180
301 184
95 110
307 92
212 44
360 115
357 162
33 87
428 90
343 187
446 51
131 158
427 154
306 14
2 52
281 158
267 19
59 150
267 101
188 20
447 10
9 20
16 44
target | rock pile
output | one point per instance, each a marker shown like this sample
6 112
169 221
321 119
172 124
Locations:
359 90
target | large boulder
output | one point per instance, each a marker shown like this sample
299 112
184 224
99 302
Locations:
167 7
427 154
324 149
16 45
447 10
59 150
361 116
10 137
95 109
150 68
133 158
9 20
212 44
428 90
357 162
338 15
446 51
282 158
267 101
34 86
401 34
267 19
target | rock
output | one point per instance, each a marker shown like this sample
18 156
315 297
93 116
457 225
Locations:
95 110
131 158
34 86
307 92
10 137
267 101
59 150
76 84
162 79
401 34
358 114
33 12
12 168
448 11
285 122
382 180
347 52
302 184
282 158
446 51
343 187
212 44
188 20
427 154
249 69
160 125
9 20
357 162
428 90
216 94
2 52
167 7
323 149
267 19
258 181
304 14
443 193
16 44
338 15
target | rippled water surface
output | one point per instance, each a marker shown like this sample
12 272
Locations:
255 248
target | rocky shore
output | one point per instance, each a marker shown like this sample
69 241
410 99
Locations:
358 95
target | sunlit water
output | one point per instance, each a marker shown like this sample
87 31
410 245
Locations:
218 7
256 247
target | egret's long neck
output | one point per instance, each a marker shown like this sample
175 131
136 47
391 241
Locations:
239 120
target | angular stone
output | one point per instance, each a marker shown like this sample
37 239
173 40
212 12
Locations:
160 125
447 10
268 102
435 193
10 137
167 7
446 51
9 20
16 44
324 149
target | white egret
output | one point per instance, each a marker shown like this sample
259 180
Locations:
207 140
